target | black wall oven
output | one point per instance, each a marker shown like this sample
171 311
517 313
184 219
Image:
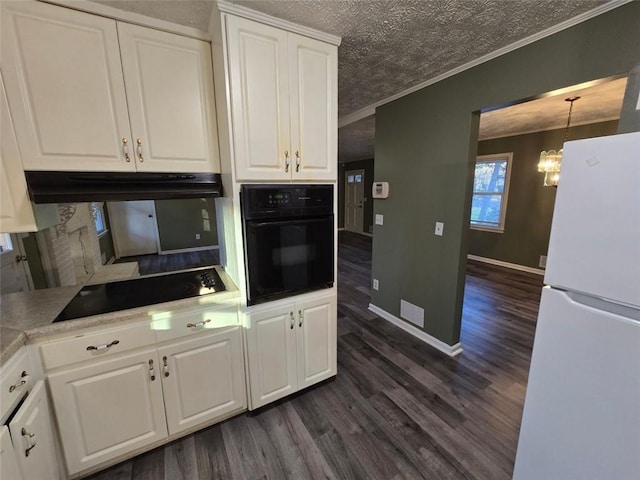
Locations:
288 239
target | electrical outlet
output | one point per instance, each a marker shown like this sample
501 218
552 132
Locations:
543 261
376 284
197 236
379 219
439 229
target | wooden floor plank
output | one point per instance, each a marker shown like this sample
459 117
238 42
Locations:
398 408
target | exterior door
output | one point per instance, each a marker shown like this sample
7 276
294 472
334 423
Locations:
354 200
64 83
135 231
314 106
271 351
33 437
317 355
258 67
203 379
169 83
108 408
14 269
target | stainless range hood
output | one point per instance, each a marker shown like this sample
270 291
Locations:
73 187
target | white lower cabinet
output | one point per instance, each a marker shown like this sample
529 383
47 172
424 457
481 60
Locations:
8 460
33 438
120 403
203 379
108 408
290 347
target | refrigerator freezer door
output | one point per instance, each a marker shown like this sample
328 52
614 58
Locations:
595 236
580 417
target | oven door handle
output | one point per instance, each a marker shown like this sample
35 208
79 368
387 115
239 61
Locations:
280 223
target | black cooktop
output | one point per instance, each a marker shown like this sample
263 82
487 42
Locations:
139 292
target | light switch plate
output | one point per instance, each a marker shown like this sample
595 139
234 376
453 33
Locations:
379 219
439 229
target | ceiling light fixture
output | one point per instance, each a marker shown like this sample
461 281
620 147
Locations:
551 160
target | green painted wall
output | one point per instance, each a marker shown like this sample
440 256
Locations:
368 167
426 145
530 204
180 220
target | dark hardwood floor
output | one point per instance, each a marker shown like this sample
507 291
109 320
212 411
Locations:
398 409
149 264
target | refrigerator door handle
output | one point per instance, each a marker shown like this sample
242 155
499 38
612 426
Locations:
604 305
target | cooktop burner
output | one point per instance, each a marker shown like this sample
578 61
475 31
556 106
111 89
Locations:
114 296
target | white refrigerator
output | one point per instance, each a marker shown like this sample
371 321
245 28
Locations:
581 416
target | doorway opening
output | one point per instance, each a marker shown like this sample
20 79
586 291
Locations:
354 200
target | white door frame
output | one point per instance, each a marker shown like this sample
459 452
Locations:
114 232
346 208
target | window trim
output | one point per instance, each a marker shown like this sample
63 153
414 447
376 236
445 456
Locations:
98 207
494 157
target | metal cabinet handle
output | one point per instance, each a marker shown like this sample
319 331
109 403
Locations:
152 372
298 161
165 367
125 150
139 150
293 322
286 161
103 346
21 383
30 443
300 317
198 324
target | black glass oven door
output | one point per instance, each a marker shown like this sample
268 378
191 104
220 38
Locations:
289 257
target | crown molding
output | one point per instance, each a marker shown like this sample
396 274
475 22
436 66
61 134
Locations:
583 17
227 7
131 17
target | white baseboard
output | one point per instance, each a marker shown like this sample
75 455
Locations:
500 263
451 350
186 250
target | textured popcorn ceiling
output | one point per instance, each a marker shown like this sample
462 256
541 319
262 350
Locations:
390 46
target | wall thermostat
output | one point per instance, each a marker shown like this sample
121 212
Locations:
380 190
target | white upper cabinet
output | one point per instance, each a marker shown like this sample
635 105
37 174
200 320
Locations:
284 103
16 214
65 88
66 73
313 87
169 84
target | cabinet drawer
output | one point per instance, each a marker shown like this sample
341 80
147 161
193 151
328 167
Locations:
176 324
96 345
14 381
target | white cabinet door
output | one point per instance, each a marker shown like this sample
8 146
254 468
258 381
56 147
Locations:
33 438
258 69
203 379
108 408
65 88
271 352
169 84
317 355
314 108
8 460
16 214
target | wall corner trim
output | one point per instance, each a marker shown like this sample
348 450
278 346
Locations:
451 350
500 263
